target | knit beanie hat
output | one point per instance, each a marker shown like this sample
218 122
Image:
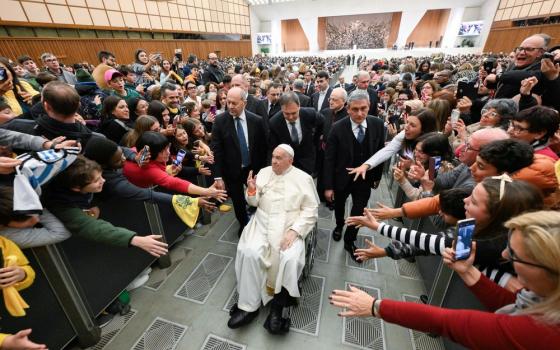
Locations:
83 76
101 150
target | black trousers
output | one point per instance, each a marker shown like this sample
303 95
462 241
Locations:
360 192
236 191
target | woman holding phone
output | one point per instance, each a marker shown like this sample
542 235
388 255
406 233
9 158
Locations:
526 319
492 202
418 123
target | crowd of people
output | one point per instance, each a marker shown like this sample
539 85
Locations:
475 137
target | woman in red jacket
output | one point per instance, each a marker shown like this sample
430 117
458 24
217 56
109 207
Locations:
528 319
154 173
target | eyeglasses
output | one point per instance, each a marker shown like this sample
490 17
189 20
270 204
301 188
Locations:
468 147
487 113
527 49
516 128
513 258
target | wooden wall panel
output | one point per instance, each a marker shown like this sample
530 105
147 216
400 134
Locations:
430 28
505 39
79 50
293 36
395 25
322 33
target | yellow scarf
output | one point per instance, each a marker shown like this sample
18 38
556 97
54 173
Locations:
186 209
14 302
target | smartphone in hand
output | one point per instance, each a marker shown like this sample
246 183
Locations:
463 239
179 159
143 155
434 164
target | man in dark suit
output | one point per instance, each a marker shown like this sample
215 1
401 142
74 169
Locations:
335 112
321 97
271 104
363 85
212 73
299 87
254 105
352 86
351 142
309 87
341 83
239 145
299 128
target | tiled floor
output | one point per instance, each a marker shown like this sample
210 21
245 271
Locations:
187 309
186 306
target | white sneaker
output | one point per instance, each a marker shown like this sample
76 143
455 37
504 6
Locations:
138 282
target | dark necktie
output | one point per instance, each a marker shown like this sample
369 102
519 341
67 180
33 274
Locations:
294 134
361 134
242 143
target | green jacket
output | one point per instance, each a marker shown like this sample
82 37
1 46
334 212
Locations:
85 226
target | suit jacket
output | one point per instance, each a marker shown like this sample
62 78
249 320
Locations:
225 145
309 91
339 153
304 100
331 118
325 104
345 86
273 111
311 127
373 100
255 106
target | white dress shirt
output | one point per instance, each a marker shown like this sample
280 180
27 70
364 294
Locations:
243 119
298 128
355 128
322 95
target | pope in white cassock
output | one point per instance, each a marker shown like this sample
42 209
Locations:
271 251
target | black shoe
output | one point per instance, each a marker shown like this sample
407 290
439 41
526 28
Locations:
351 248
241 318
275 323
337 233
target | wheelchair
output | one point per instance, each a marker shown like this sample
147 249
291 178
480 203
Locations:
310 247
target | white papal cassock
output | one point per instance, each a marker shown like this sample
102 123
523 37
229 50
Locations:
287 201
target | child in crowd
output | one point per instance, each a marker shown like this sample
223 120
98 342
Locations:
69 198
452 210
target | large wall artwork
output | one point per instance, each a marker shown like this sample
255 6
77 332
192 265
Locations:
362 31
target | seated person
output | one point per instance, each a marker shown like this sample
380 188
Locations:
110 156
28 231
271 251
154 173
69 197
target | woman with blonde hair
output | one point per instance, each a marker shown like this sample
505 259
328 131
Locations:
528 319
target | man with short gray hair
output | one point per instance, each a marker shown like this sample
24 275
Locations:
350 143
363 84
298 127
299 88
528 61
239 146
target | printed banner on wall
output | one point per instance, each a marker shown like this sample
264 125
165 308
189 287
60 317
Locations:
369 31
